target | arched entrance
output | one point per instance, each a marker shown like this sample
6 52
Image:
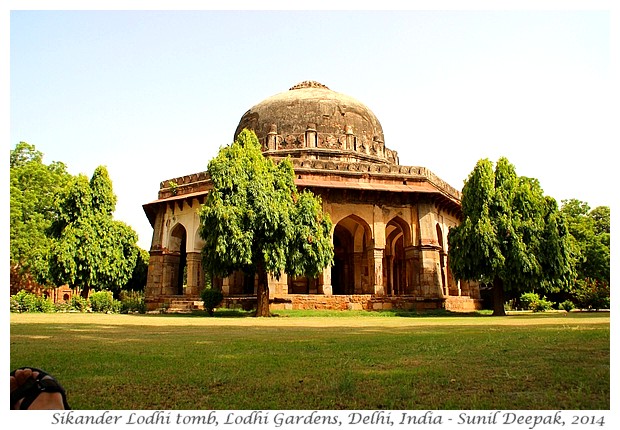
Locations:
342 279
178 248
398 237
350 272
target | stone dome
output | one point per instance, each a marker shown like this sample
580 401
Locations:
310 121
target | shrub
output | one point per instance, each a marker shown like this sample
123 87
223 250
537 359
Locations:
45 305
567 305
79 303
25 301
62 307
14 304
532 301
132 301
591 294
211 299
528 300
543 305
103 301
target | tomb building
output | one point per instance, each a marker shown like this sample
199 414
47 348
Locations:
390 221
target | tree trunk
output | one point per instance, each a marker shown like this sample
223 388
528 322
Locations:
85 292
262 294
498 298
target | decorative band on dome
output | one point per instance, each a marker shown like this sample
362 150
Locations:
308 84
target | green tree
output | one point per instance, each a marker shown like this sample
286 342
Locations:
590 232
91 250
512 236
35 187
137 282
255 220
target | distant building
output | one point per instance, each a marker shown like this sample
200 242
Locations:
390 221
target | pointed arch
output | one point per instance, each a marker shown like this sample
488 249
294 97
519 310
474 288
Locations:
398 238
177 246
352 240
398 222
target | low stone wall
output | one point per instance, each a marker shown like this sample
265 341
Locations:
337 302
462 304
366 302
369 302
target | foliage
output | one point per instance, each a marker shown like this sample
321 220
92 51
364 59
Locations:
34 189
62 229
591 232
103 301
591 294
132 302
511 236
79 303
91 249
137 282
534 302
211 299
567 305
25 301
255 220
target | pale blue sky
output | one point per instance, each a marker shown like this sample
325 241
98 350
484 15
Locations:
153 94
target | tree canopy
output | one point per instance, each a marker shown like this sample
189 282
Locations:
91 249
590 230
255 220
62 228
35 187
511 236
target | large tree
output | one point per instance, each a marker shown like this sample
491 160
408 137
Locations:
256 221
591 232
512 236
35 187
137 282
91 250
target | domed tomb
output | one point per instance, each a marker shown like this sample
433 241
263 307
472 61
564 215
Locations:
310 121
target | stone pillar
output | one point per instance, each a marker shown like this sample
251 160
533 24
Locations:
272 137
154 277
278 287
390 285
358 259
311 140
226 286
350 139
195 274
378 288
443 278
170 273
325 282
458 288
454 286
430 276
412 280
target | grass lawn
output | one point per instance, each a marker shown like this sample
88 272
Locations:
321 361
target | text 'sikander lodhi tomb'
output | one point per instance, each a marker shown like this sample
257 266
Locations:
390 222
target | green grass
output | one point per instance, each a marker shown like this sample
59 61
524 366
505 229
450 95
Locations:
345 360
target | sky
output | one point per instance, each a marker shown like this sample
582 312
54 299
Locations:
152 89
153 94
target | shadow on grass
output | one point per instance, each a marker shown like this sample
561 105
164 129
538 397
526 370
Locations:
219 313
